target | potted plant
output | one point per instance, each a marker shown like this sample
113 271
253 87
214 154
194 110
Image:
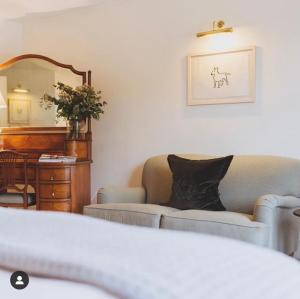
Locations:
76 105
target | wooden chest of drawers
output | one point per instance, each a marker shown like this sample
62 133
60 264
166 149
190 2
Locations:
63 187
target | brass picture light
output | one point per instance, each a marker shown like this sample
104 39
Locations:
218 27
19 89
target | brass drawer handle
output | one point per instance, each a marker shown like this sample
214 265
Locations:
52 178
53 194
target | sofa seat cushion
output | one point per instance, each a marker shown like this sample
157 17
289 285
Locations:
228 224
129 213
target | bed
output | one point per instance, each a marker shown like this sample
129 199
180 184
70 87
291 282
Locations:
74 256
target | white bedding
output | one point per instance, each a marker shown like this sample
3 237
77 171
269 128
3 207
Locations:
47 288
129 262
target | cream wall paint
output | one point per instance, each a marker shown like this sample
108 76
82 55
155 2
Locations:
137 51
18 8
11 39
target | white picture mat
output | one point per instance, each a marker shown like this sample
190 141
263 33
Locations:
19 111
239 67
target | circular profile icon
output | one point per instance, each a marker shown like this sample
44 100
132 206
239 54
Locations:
19 280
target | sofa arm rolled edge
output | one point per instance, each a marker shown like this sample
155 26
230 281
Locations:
121 195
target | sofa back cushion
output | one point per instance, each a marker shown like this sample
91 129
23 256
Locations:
248 178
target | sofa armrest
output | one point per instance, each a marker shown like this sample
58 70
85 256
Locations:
121 195
266 205
265 211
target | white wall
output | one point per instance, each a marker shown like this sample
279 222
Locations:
137 51
11 39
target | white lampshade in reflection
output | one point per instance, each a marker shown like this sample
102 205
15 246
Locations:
2 102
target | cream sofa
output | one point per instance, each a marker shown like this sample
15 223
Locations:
259 193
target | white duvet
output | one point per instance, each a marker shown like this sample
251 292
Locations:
72 256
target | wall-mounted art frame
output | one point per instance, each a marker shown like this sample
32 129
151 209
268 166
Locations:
222 77
19 111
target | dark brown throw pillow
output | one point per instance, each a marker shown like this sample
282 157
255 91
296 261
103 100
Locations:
196 182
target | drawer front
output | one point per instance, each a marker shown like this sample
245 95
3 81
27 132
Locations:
55 174
55 206
55 191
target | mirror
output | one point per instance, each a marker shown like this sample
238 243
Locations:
23 82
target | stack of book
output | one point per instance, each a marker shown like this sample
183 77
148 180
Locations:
56 159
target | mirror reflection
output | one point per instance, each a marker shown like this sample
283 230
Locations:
22 85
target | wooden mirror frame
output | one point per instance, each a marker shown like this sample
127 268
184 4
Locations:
86 79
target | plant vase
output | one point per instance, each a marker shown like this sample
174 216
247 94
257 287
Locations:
75 128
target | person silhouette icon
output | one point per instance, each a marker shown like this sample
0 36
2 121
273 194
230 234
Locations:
19 280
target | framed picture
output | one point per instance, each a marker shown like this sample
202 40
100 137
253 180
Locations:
19 111
222 77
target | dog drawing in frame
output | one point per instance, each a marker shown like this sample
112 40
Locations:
219 78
